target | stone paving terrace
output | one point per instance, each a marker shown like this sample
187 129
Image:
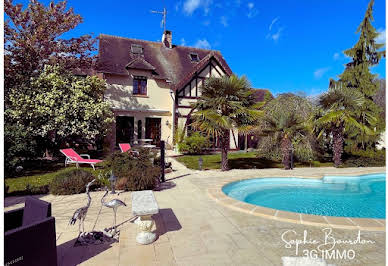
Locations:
195 230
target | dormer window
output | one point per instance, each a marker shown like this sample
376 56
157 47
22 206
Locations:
139 85
194 57
136 49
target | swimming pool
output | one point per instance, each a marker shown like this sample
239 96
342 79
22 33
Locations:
342 196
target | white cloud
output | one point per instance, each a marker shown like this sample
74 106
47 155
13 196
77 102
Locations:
224 21
336 56
252 11
381 37
183 42
189 6
275 36
204 44
320 72
273 22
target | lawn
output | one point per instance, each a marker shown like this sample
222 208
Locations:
240 160
19 184
42 176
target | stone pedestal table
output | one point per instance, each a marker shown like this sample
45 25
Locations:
144 205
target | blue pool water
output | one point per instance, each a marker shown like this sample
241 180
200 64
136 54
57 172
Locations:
344 196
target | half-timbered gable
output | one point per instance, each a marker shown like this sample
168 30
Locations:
151 85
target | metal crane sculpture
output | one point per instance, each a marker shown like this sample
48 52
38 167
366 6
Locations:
80 214
114 204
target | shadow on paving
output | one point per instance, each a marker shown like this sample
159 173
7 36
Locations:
68 254
165 185
177 177
166 221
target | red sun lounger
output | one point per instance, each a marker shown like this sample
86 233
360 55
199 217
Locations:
73 157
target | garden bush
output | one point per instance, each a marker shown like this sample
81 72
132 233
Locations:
122 183
73 181
194 144
16 151
134 172
368 158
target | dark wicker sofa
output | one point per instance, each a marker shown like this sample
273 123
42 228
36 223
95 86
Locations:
29 235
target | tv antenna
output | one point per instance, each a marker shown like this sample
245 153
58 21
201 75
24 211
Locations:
163 22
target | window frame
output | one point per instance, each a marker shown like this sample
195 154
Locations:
137 46
191 57
142 81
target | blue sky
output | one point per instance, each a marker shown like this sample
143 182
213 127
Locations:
285 46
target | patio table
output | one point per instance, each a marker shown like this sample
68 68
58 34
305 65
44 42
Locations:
148 146
145 140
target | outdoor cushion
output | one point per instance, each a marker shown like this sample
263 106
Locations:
35 210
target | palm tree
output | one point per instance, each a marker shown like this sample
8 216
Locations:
283 127
341 106
226 103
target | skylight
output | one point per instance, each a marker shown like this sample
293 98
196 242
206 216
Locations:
194 57
136 49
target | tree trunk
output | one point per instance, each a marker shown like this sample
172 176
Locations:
338 141
224 151
286 148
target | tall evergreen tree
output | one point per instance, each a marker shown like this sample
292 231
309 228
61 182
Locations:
364 54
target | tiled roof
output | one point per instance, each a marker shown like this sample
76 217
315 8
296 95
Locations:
140 63
172 64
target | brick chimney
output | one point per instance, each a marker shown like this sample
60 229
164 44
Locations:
167 38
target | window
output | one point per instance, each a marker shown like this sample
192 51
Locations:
194 57
136 49
139 128
139 85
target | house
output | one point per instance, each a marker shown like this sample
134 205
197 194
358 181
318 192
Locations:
152 84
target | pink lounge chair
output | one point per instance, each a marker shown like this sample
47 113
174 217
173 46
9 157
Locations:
73 157
126 147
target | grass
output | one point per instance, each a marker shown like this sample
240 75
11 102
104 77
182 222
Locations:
240 160
19 184
42 176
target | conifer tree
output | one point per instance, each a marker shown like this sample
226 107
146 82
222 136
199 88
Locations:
364 54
